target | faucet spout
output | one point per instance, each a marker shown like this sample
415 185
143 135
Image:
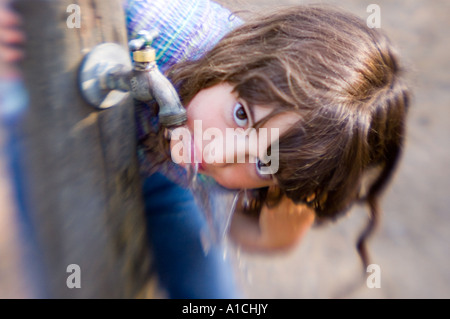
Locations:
171 112
148 78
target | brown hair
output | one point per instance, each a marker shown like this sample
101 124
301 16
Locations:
345 82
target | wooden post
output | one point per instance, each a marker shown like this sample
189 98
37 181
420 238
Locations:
80 166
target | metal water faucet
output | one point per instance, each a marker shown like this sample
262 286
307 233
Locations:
107 76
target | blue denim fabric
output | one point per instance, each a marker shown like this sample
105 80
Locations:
174 224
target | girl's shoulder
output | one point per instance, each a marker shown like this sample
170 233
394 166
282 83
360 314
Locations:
187 29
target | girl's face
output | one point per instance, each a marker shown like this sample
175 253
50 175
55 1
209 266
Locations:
218 110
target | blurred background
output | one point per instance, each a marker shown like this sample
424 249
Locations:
412 245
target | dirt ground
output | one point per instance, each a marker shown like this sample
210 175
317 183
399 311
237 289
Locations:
412 244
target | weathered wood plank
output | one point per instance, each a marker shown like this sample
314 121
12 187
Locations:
80 164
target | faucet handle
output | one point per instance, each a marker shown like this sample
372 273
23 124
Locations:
144 39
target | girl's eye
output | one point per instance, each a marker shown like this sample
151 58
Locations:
240 115
263 170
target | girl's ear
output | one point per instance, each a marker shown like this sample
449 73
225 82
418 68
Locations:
274 196
277 229
284 225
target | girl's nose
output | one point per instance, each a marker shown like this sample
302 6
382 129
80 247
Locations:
226 150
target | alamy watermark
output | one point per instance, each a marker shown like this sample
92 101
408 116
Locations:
74 19
374 279
374 19
74 279
235 146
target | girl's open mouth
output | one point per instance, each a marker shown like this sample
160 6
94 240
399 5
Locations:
196 157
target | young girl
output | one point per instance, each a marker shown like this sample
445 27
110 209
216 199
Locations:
336 91
333 88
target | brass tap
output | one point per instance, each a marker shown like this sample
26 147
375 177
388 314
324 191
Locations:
106 76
